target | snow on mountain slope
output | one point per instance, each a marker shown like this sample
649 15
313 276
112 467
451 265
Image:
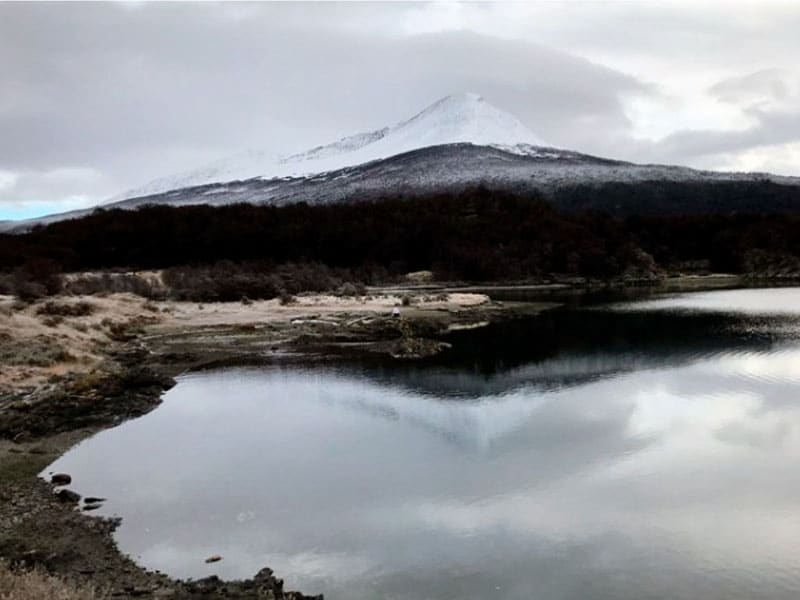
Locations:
457 142
445 168
460 118
463 118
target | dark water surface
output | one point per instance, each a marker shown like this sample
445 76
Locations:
629 451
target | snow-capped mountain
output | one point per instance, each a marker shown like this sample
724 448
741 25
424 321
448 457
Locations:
457 142
460 118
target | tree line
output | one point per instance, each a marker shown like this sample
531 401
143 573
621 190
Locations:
473 235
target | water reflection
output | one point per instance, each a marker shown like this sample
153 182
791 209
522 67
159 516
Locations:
633 454
572 347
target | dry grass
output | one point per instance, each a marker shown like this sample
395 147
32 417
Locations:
39 351
37 345
62 335
36 585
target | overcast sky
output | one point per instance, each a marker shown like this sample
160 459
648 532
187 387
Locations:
99 98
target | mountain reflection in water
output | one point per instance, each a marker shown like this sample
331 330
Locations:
645 450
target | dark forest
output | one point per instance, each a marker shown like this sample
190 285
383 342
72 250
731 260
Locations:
475 235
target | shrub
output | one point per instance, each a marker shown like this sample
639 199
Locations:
37 278
228 281
53 321
347 289
122 332
66 309
307 277
29 291
6 284
111 283
223 281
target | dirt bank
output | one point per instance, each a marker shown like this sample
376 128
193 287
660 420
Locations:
72 366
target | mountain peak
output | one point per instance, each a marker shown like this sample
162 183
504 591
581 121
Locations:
464 98
463 118
468 118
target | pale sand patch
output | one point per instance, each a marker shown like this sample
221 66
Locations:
307 306
84 338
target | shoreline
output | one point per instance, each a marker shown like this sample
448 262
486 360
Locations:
123 373
122 368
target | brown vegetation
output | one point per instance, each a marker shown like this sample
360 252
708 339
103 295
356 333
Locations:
66 309
144 284
38 351
50 338
38 585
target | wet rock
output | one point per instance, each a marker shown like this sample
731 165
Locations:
61 479
413 348
265 578
266 585
214 558
206 585
66 495
92 506
93 500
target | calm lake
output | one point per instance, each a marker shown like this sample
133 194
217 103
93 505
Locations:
640 450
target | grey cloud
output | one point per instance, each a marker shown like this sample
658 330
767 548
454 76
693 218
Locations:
769 83
769 102
139 92
688 36
770 129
